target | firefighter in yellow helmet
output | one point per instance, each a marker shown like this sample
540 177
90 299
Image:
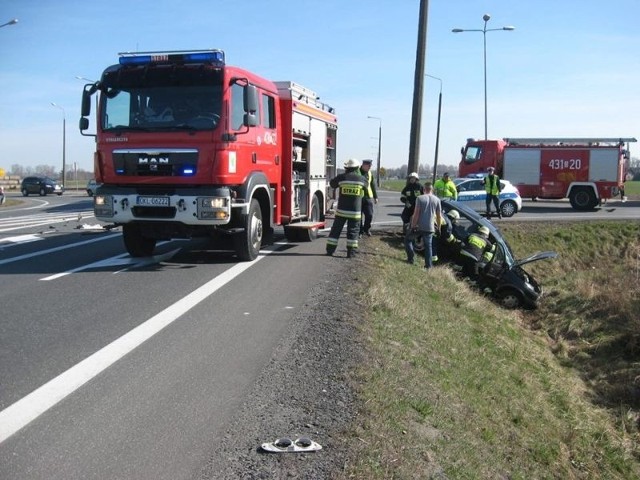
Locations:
351 187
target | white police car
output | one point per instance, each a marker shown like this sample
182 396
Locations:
471 192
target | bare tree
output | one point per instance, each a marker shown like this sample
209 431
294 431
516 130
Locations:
46 170
17 169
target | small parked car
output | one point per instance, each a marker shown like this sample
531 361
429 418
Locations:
509 283
471 192
92 186
40 185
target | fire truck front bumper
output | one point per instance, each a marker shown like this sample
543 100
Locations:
190 206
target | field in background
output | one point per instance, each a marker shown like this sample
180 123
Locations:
632 188
456 387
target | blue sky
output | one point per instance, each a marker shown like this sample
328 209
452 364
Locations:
570 68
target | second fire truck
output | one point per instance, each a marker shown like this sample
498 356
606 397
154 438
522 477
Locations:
584 170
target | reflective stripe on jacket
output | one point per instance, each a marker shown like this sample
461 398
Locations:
410 192
475 246
351 186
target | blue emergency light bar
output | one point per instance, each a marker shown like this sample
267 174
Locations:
213 57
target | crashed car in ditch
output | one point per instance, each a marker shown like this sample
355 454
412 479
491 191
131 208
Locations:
509 283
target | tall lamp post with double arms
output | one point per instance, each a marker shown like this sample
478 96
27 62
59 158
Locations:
484 31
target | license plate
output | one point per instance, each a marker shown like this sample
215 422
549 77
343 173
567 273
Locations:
153 201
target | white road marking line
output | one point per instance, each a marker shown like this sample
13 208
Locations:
122 259
24 411
55 249
21 239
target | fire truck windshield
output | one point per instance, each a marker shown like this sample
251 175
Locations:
472 154
161 98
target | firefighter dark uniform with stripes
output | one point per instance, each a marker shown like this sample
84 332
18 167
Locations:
350 185
410 192
473 251
447 244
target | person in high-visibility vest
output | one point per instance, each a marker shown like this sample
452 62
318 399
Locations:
370 198
492 187
351 187
445 188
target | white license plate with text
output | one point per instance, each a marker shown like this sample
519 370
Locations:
153 201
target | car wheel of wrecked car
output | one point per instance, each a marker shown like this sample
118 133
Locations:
510 299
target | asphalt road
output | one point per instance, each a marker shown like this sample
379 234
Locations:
113 367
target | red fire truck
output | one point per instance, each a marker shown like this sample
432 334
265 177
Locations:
187 145
585 170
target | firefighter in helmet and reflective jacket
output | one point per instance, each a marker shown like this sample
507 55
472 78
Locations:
350 185
410 192
473 251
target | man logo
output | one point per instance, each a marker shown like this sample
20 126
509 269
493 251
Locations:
153 160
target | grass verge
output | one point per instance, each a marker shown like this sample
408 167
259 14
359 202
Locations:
456 387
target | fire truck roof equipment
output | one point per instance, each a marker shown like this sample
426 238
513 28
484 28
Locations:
213 57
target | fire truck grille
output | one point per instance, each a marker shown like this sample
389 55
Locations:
166 163
154 212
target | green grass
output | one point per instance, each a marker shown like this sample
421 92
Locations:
454 384
393 185
632 188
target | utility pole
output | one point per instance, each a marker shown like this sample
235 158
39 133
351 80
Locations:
418 83
435 160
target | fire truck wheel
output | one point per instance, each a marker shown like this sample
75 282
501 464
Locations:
137 244
508 208
249 241
312 233
583 199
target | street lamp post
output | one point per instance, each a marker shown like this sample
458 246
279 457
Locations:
435 160
10 22
379 148
486 17
64 142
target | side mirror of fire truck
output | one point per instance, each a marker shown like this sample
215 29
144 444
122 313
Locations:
85 109
84 123
250 99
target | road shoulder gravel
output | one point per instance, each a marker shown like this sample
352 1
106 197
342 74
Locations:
306 389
